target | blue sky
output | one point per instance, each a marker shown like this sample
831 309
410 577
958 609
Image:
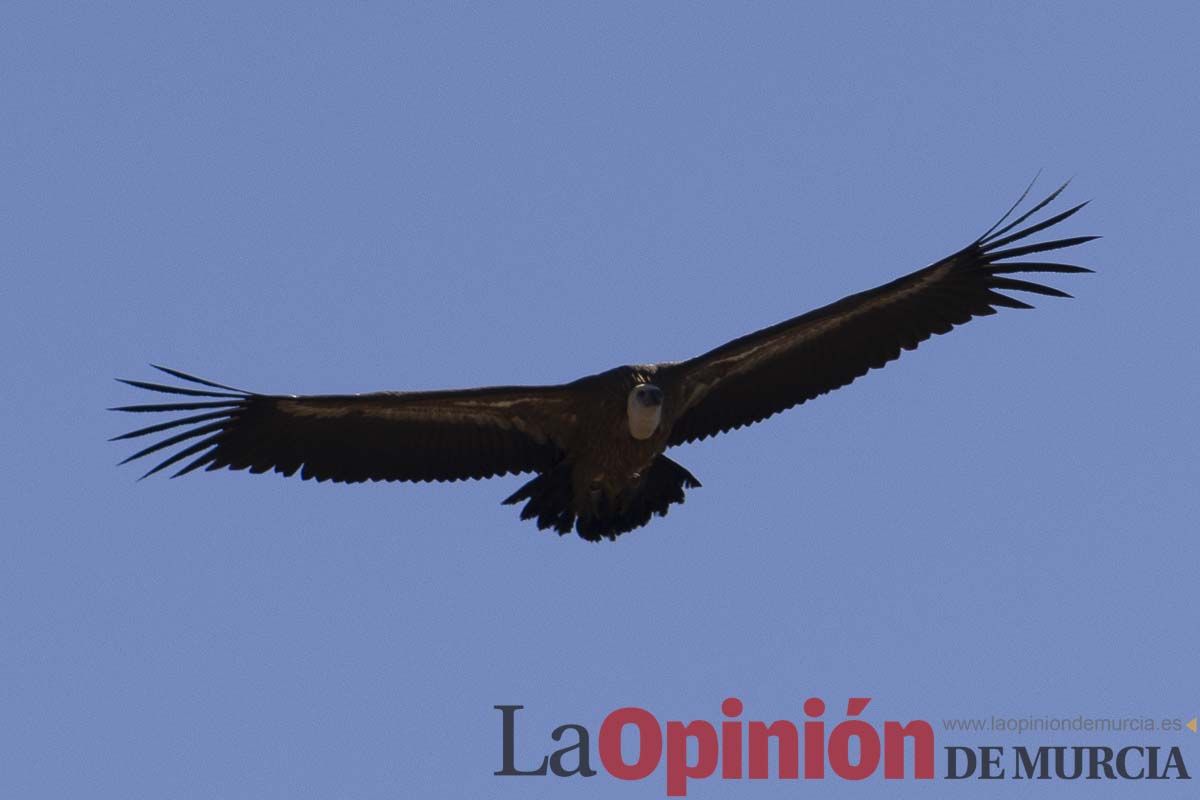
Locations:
301 199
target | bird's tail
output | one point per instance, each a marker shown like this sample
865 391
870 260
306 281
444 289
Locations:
549 496
550 500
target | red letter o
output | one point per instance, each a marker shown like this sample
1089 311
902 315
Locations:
649 743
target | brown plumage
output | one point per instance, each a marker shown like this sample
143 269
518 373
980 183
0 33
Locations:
597 443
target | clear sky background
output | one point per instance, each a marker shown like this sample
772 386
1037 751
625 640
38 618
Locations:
362 196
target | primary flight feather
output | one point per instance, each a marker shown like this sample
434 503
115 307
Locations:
597 443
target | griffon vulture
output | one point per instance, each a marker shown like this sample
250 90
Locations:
596 444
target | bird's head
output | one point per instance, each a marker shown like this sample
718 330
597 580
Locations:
644 407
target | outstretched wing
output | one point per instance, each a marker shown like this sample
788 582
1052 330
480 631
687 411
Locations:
751 378
389 436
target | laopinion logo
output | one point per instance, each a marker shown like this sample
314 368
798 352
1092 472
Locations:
812 748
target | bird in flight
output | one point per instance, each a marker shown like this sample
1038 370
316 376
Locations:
596 445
